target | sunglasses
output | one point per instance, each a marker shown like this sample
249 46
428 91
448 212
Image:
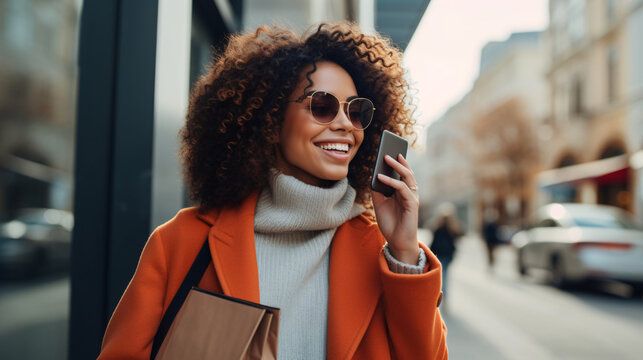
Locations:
324 107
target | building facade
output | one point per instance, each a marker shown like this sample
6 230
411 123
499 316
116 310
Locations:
594 76
37 103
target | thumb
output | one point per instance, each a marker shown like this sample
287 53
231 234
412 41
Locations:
378 198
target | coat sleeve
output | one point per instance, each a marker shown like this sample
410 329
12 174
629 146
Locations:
416 329
132 327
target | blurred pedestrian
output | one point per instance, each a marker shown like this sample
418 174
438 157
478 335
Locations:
490 234
270 152
446 231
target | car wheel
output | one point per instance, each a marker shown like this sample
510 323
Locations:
558 276
522 268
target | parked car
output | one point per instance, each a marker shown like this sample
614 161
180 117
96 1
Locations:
34 241
578 242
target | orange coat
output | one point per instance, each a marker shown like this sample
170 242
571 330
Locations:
373 313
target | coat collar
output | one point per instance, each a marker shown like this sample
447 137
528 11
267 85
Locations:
232 245
354 283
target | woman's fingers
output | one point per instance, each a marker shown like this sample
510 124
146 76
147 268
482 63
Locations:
403 161
398 185
402 167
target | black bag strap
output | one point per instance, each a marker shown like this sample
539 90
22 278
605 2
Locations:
193 277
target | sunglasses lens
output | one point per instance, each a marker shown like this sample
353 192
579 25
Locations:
360 112
324 107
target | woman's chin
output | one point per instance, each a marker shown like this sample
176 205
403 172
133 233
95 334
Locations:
327 179
334 175
318 177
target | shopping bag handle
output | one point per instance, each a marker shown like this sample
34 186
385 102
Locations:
193 277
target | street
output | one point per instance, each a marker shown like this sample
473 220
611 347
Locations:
34 319
497 315
489 315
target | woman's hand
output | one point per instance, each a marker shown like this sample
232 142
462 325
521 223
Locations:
397 216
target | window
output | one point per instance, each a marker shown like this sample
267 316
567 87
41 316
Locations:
37 137
610 12
548 223
19 26
576 106
612 63
558 26
561 103
576 21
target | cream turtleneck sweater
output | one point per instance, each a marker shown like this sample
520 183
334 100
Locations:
294 227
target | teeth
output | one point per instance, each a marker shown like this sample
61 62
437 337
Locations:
339 147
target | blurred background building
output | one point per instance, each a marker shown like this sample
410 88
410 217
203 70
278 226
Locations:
92 95
594 74
37 103
553 116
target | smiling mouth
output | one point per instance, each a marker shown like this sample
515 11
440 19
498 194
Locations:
338 147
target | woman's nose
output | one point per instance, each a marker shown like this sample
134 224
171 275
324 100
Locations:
341 121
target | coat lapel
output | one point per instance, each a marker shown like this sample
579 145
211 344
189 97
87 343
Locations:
232 245
355 286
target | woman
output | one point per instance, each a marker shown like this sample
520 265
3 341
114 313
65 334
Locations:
446 232
280 140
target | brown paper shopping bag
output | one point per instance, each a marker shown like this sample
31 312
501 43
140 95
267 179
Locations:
199 324
215 326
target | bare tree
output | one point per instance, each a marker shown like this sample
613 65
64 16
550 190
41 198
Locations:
508 154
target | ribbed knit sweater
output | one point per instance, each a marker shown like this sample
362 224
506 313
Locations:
294 227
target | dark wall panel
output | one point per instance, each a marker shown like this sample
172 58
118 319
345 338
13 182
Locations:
113 160
114 154
133 136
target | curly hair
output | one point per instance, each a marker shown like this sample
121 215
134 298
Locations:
237 108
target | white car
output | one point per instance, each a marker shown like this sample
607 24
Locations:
578 242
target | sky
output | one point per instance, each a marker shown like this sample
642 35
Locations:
444 54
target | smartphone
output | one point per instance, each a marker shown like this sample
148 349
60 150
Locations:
390 144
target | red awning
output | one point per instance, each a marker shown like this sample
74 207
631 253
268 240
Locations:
605 171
